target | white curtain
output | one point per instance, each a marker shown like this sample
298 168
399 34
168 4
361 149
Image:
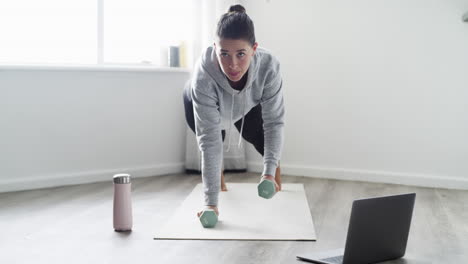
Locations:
207 13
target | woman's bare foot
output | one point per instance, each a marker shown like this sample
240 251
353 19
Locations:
278 177
215 208
271 178
223 183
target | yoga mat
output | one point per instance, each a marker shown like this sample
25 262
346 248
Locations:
245 216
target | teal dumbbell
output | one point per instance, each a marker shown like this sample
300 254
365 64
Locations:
208 218
266 189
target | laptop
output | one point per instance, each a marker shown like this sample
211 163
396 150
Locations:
378 231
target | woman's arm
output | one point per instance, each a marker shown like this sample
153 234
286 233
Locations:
208 131
273 123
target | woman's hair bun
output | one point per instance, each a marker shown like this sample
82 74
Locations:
237 8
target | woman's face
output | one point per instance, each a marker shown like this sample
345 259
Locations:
234 57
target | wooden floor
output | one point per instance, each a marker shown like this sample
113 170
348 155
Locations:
74 224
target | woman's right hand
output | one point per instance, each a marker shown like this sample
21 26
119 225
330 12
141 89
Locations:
271 178
215 208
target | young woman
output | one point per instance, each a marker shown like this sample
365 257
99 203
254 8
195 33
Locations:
237 82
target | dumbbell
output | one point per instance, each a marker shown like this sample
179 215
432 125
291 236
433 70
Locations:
208 218
266 189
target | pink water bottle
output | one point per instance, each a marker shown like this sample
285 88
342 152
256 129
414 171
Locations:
122 203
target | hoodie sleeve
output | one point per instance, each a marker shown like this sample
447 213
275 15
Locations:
273 122
208 132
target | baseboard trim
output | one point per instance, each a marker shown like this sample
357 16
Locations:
422 180
412 179
48 181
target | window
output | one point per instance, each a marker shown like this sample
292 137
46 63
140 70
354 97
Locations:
91 31
137 30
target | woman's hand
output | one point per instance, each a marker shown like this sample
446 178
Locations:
215 208
271 178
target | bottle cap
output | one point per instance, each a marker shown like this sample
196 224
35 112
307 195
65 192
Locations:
121 178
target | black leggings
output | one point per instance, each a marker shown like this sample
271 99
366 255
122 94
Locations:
253 123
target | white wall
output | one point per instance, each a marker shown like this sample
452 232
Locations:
73 126
375 90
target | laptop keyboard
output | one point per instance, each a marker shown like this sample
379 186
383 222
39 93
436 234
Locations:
337 259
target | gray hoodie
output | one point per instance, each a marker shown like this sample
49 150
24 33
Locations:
217 106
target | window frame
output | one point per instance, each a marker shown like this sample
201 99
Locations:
100 64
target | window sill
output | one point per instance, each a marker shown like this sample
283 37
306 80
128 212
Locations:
91 67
